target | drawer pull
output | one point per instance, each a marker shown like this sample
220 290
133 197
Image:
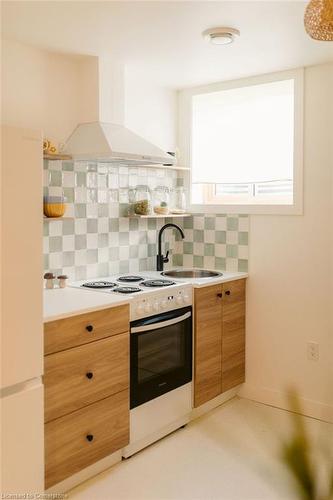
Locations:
89 328
89 437
228 292
219 295
89 375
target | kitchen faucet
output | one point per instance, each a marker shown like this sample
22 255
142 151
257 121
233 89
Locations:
161 259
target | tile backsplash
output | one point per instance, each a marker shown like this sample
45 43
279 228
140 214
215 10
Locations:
98 238
214 242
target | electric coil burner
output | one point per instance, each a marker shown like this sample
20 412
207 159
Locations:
99 284
158 283
127 289
130 279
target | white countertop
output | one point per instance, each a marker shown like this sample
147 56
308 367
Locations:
64 302
200 282
226 276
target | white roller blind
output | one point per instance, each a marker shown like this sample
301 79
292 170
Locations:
244 134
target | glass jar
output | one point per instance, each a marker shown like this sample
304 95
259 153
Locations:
131 202
179 202
142 200
161 201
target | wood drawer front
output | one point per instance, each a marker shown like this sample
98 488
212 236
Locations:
67 449
70 332
233 335
207 344
66 379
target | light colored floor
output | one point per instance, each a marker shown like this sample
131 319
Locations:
228 454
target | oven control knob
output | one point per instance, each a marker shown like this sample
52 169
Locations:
148 308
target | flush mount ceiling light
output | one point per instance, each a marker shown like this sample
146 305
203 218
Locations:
220 36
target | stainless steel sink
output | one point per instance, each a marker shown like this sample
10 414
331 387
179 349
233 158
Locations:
191 273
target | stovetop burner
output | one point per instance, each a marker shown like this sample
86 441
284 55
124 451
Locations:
130 279
99 284
158 283
127 289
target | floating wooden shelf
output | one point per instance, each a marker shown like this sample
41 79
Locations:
57 157
51 219
158 216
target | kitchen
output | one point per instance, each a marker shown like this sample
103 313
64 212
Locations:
114 102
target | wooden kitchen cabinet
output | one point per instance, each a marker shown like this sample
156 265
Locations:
219 339
207 343
233 334
86 381
84 328
80 376
79 439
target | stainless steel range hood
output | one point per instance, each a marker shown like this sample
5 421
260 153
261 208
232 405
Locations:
108 142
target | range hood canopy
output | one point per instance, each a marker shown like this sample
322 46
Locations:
109 142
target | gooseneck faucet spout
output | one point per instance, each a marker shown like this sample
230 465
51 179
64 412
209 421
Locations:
161 259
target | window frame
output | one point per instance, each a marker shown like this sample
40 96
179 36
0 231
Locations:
209 194
185 132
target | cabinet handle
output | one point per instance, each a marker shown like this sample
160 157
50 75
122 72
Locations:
228 292
89 437
89 328
219 295
89 375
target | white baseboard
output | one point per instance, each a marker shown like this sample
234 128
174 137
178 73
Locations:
310 408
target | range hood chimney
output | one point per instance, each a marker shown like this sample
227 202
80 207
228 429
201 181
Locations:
107 139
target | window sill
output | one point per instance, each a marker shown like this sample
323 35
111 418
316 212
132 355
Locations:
248 209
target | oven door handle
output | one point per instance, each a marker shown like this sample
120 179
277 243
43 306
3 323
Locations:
162 324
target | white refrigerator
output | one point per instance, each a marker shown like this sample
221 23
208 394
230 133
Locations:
22 428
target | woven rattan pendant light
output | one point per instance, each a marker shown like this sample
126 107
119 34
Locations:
318 20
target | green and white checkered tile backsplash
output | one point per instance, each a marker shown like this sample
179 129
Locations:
214 242
100 239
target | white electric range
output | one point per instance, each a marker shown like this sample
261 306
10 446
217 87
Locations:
160 352
149 292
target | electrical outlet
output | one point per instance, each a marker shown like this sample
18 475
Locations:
313 351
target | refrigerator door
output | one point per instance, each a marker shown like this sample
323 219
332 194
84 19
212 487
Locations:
21 256
22 439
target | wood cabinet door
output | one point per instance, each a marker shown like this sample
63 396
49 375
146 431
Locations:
82 375
233 334
85 436
207 343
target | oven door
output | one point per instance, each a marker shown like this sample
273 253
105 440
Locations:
161 354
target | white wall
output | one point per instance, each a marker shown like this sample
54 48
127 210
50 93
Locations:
39 89
290 299
150 110
54 92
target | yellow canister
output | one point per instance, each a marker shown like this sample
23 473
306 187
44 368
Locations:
54 206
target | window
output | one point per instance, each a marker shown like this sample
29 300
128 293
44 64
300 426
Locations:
245 145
